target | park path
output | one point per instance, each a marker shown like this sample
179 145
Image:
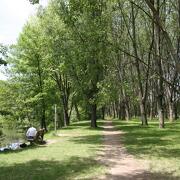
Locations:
120 164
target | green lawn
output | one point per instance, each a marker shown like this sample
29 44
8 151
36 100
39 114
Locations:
72 156
160 147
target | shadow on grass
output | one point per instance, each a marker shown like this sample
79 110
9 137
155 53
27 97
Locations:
99 128
85 125
46 170
88 139
151 140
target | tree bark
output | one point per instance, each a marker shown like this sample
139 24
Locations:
64 90
142 100
66 117
78 116
103 112
160 92
93 115
171 111
43 110
127 111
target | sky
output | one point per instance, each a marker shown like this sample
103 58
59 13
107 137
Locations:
13 16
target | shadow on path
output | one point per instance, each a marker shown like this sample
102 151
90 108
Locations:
142 176
120 164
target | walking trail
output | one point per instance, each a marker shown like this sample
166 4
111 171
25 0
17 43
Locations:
120 164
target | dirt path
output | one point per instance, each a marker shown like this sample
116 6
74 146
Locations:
121 165
51 141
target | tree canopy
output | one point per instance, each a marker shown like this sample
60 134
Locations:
97 58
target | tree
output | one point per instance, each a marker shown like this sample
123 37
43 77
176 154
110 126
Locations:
28 68
3 53
87 24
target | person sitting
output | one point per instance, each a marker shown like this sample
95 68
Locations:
31 134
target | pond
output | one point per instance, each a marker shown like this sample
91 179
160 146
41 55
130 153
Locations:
9 136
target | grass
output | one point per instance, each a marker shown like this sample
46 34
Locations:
160 147
72 156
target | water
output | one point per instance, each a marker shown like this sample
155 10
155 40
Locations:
11 136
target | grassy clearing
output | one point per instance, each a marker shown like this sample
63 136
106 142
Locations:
72 156
161 147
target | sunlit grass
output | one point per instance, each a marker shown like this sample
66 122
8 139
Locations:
160 147
71 156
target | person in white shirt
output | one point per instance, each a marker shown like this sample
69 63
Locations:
31 133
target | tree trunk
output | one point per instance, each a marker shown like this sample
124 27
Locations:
160 113
141 93
159 69
176 110
43 110
114 110
43 119
123 113
64 91
127 111
77 112
66 117
171 111
151 106
103 112
143 113
93 115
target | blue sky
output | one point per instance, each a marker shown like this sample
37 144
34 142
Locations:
13 15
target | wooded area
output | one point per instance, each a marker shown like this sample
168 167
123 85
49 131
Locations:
94 59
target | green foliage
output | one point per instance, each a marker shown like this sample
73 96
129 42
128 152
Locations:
88 30
82 52
29 70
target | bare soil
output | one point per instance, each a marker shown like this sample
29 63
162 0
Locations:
120 164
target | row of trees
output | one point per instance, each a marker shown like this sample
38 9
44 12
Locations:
95 57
